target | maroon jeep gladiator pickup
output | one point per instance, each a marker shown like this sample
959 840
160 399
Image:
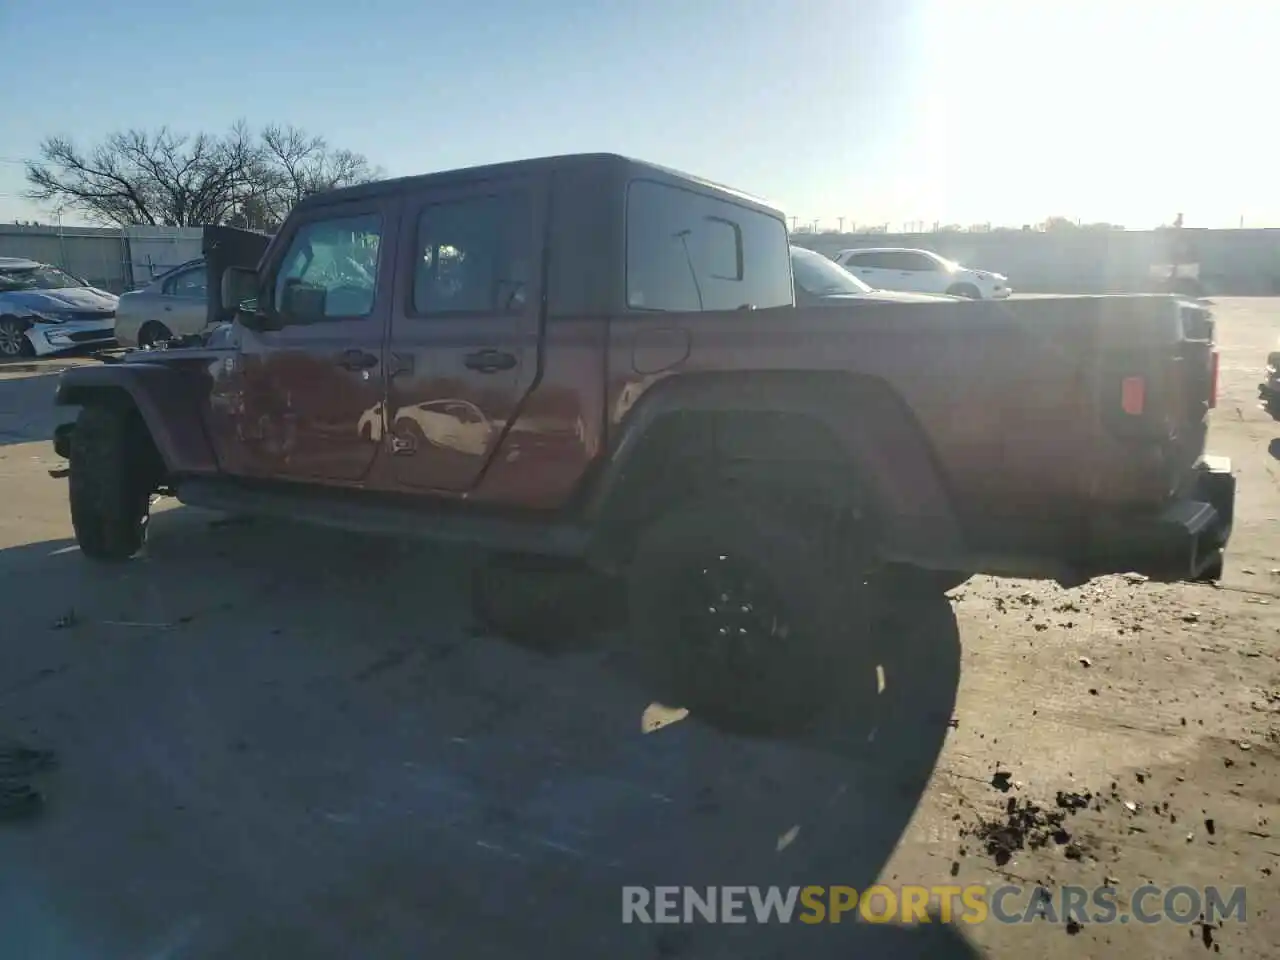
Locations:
599 362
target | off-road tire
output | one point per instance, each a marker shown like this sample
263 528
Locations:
966 290
817 648
114 469
545 604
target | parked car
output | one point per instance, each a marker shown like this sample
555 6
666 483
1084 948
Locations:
923 271
820 281
1269 388
45 310
759 477
173 305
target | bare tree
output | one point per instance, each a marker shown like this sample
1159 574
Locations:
171 179
302 164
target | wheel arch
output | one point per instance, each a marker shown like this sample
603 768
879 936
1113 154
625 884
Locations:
846 439
164 400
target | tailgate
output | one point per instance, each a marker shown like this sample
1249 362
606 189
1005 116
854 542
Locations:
1158 381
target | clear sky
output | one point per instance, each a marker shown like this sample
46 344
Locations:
962 111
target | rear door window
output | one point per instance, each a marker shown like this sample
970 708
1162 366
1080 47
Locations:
918 262
868 261
687 251
474 256
189 284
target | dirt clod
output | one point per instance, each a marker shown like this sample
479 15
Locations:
1030 826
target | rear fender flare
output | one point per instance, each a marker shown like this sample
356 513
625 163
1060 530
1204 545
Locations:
166 399
875 434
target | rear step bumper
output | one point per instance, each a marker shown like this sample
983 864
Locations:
1184 541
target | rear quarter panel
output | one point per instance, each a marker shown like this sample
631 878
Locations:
1005 405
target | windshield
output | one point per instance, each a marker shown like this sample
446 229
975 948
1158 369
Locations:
816 274
35 278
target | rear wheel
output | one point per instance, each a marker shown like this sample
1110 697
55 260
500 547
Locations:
742 617
543 603
114 469
13 339
903 582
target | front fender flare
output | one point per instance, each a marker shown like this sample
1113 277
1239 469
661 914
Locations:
168 400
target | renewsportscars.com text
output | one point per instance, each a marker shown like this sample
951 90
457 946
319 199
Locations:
906 904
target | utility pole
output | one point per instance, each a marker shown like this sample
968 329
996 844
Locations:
793 223
815 224
841 222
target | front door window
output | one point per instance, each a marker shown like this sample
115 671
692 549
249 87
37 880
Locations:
331 270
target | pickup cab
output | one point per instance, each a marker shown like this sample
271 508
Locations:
594 364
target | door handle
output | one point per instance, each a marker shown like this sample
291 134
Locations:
490 360
356 360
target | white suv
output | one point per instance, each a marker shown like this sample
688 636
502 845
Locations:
921 271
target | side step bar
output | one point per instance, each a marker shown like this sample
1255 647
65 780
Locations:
354 512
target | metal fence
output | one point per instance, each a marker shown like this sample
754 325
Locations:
97 256
111 258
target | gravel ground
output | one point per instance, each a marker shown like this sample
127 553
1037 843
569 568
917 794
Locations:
280 742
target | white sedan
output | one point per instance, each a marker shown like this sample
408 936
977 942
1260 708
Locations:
44 310
921 271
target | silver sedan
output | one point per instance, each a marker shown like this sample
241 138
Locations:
173 305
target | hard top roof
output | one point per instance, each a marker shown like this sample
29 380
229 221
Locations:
536 165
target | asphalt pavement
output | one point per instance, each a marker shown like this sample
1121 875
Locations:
282 742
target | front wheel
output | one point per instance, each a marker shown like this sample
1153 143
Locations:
739 617
966 290
13 340
114 469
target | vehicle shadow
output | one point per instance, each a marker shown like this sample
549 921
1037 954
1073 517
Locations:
300 746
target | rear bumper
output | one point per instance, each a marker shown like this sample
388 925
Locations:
1184 541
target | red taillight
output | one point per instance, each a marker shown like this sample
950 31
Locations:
1213 379
1133 395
